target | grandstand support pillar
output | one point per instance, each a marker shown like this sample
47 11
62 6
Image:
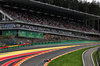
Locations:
32 40
86 22
93 23
3 17
90 22
98 24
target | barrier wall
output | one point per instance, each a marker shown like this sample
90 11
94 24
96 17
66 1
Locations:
97 57
44 43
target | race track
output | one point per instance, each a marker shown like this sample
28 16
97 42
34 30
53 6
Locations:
87 57
36 56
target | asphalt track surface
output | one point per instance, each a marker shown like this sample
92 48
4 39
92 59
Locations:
37 46
39 60
41 46
87 59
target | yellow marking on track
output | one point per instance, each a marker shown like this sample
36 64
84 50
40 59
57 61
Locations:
24 60
18 64
13 46
32 50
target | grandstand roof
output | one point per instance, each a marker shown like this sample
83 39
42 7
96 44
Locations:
54 8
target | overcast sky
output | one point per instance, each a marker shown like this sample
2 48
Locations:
91 0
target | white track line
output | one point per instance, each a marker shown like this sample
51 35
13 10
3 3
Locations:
72 51
83 58
92 57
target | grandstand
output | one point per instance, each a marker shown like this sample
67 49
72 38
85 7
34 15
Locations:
40 22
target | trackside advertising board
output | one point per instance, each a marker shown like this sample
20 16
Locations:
39 35
9 33
22 33
30 34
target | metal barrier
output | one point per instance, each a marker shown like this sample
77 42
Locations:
97 57
43 43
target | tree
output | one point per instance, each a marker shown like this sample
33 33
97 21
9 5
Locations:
81 5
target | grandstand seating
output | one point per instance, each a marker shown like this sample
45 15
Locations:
28 17
2 26
47 20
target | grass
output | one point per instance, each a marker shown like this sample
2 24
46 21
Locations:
99 53
71 59
93 55
94 59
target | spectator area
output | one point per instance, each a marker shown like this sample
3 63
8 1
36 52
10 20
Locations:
34 18
54 26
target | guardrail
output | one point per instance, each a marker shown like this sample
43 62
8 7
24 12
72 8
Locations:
13 46
97 57
44 43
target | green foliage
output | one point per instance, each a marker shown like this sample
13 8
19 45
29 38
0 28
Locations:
92 8
94 58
